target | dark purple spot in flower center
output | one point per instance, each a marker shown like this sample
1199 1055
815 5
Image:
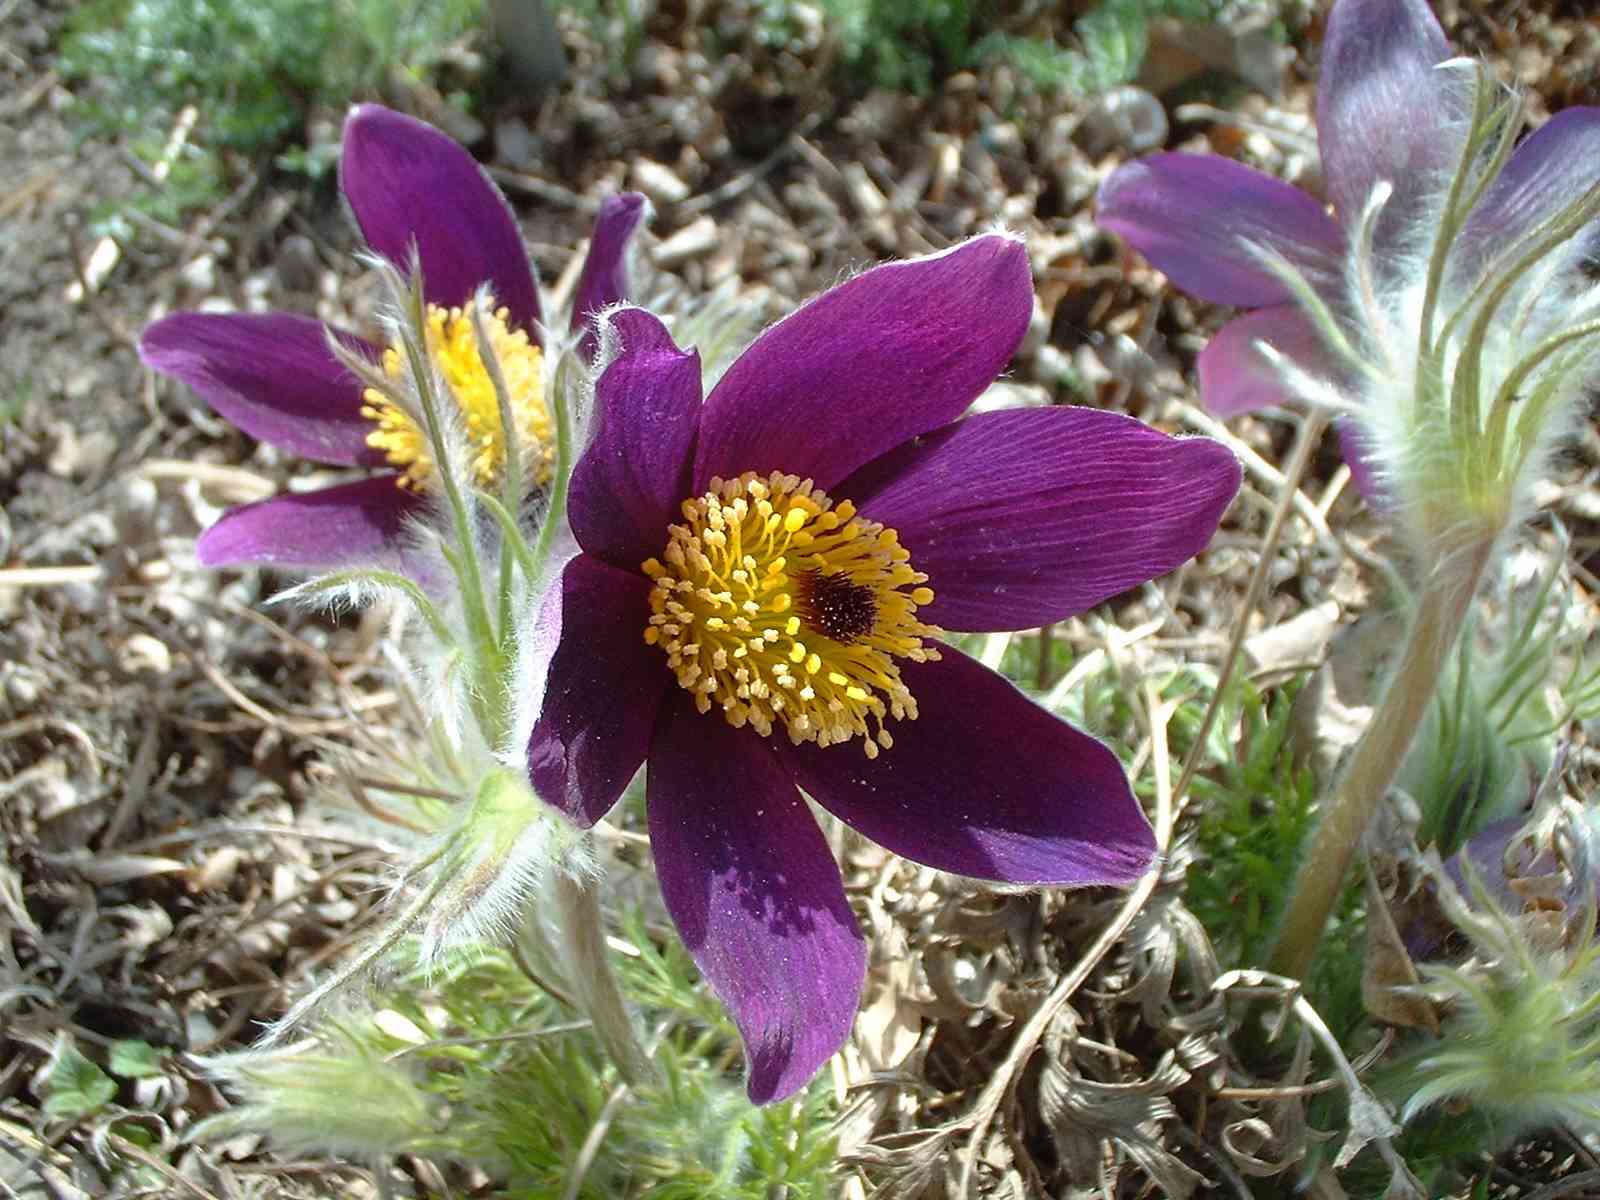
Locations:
835 606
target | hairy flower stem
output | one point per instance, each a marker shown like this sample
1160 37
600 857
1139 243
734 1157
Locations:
489 700
588 966
566 457
1442 606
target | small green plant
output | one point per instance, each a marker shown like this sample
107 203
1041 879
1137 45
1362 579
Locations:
1109 43
255 75
474 1063
1516 1053
1519 677
909 44
133 1059
1255 804
15 396
74 1086
254 70
1255 809
904 44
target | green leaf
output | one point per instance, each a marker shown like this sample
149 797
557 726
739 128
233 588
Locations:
140 1135
381 580
134 1059
75 1086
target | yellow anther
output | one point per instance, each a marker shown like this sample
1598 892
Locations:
788 609
453 349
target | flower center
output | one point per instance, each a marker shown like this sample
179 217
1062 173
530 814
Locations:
453 348
779 605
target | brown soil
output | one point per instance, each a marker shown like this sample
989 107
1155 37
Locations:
162 728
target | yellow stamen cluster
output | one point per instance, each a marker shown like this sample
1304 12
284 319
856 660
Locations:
453 348
775 604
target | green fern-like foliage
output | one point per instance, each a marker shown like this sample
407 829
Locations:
1519 677
254 72
497 1074
1108 44
908 44
904 44
1255 811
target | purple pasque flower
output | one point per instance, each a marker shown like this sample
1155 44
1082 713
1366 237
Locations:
753 612
1452 281
277 376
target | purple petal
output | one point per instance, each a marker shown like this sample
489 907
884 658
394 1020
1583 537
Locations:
892 353
755 894
1549 170
601 694
1427 930
1197 217
1383 112
408 183
985 783
361 524
1488 851
273 376
634 476
1235 377
1023 517
1356 445
604 280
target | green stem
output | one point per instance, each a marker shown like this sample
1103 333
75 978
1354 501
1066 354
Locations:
389 579
1441 613
1455 212
556 513
588 966
511 481
512 537
488 664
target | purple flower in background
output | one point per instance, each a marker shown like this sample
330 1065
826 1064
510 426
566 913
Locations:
763 573
1445 308
276 376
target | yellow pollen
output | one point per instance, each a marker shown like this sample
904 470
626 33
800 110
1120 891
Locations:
776 605
453 347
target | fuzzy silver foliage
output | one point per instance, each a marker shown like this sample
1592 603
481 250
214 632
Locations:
1522 1038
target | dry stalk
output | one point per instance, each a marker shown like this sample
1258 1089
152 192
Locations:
1027 1040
